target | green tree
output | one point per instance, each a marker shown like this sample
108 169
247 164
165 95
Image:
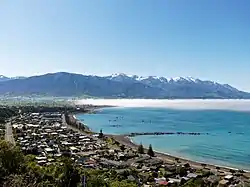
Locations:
150 151
11 158
17 181
122 184
182 171
70 176
101 134
199 182
96 181
140 149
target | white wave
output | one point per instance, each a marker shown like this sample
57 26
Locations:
192 104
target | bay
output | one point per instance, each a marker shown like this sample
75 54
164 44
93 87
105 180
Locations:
227 142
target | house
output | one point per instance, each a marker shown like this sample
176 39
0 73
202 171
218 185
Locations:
111 163
35 114
145 168
51 160
82 137
41 158
87 154
48 150
192 175
73 149
159 180
185 178
172 180
56 125
224 182
228 177
120 156
131 178
32 126
85 140
42 162
163 183
213 179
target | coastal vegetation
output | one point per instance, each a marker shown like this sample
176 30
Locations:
150 151
70 120
140 149
100 134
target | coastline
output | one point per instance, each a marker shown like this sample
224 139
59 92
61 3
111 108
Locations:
91 110
171 159
190 160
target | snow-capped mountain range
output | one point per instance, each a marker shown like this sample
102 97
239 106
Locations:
124 77
157 79
119 86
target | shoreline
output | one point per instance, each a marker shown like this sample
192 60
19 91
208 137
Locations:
171 159
190 160
198 162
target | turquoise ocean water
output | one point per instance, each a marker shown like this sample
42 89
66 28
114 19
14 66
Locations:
227 144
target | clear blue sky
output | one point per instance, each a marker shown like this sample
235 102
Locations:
208 39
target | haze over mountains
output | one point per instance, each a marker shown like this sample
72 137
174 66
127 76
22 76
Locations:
118 86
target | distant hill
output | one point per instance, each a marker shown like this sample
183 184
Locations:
118 86
4 78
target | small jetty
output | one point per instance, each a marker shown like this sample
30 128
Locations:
115 125
165 133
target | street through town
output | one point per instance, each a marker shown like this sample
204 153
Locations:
9 133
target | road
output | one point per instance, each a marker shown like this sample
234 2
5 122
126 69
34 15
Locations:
9 133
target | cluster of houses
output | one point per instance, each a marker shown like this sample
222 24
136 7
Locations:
45 135
208 178
48 137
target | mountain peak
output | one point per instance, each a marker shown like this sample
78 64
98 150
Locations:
119 76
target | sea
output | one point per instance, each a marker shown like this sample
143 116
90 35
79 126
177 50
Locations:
225 138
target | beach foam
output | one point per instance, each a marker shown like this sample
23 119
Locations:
189 104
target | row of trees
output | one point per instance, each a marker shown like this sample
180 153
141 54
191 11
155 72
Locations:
150 150
73 122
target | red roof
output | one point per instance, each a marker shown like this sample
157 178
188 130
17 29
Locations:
163 183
